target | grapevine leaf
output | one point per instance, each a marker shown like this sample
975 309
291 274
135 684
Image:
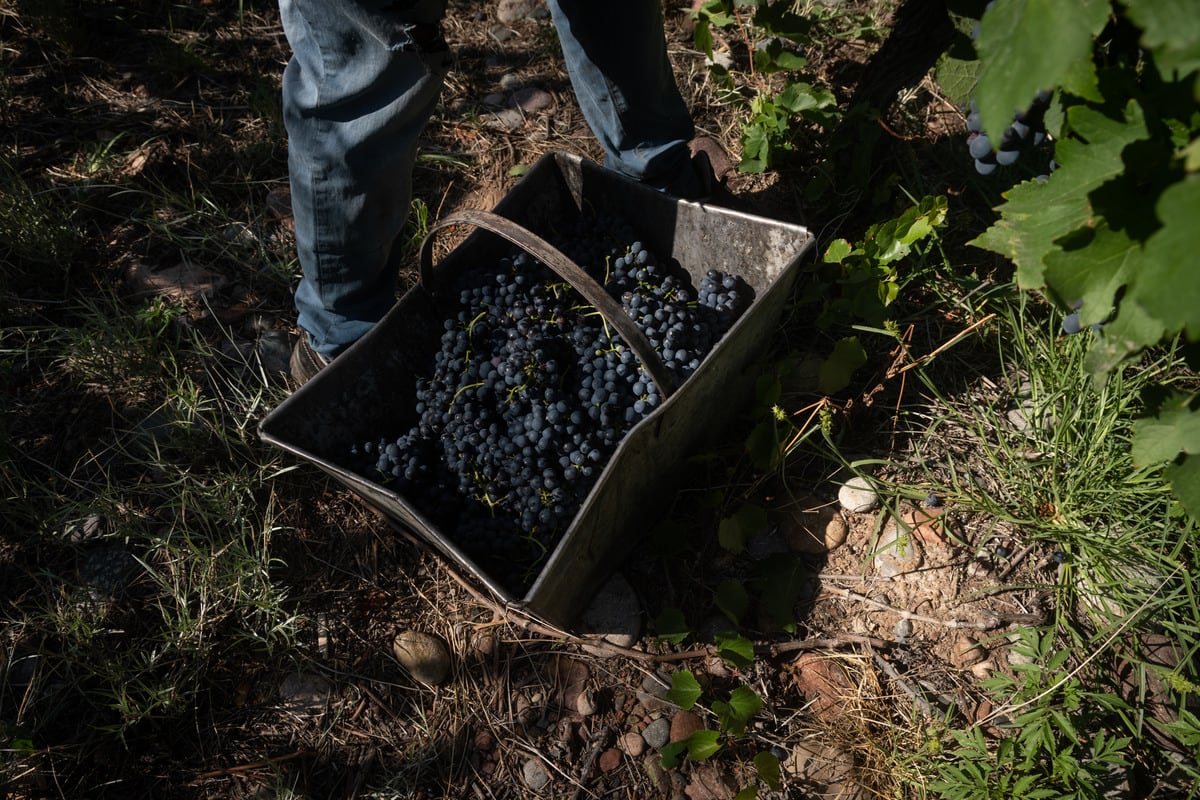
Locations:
957 78
779 583
1131 331
671 626
1171 31
671 753
838 251
1168 286
1029 45
835 371
1175 428
743 704
734 648
1184 477
703 744
1093 272
767 764
731 598
685 689
737 529
1035 215
747 793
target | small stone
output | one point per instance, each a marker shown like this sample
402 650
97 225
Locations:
684 724
896 553
509 82
657 733
610 759
535 775
634 744
983 669
585 703
904 629
614 615
968 652
532 100
485 741
813 527
510 11
858 496
424 655
501 33
304 692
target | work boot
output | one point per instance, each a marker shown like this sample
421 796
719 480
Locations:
305 361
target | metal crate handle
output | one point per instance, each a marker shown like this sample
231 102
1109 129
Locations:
569 271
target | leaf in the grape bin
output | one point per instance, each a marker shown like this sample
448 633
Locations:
1168 285
735 530
1028 45
671 626
1174 428
767 765
731 598
1035 215
517 170
835 371
735 648
1171 32
685 689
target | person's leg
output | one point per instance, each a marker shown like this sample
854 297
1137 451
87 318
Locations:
616 55
361 84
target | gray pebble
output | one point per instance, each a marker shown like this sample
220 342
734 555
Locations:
657 733
535 775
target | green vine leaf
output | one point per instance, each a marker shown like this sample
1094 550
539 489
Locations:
737 529
1036 215
742 706
1171 32
1175 428
736 649
685 689
767 765
1168 286
834 373
1029 45
671 626
732 599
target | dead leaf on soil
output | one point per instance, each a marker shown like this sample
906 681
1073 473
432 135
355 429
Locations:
707 784
184 282
824 683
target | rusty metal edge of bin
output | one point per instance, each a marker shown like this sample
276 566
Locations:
599 535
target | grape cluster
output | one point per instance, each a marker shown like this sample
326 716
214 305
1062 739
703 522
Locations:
531 392
1026 134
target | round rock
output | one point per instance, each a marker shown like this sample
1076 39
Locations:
424 655
657 733
535 775
858 496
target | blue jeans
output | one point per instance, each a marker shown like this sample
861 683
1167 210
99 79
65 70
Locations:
362 82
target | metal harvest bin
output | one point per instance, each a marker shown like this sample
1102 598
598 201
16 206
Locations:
370 390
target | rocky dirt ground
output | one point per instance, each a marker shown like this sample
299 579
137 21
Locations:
902 612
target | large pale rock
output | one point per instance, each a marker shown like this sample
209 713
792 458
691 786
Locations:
424 655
